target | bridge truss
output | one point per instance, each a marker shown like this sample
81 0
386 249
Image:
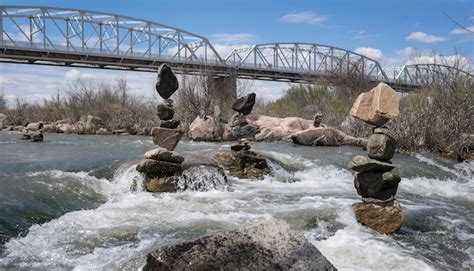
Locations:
83 38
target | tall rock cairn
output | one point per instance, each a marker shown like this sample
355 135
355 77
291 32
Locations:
240 127
374 181
162 166
167 135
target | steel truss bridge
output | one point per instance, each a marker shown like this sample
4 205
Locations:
83 38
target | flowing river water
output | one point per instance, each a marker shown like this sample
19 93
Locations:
75 202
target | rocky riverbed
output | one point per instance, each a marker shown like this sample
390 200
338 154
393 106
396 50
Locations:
77 202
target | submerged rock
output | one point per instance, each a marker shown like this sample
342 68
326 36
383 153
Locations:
242 164
244 104
167 82
37 137
266 245
377 106
364 164
161 184
383 217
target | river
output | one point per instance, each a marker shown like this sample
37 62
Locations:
71 203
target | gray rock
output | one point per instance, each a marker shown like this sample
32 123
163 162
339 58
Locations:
380 130
377 185
162 154
244 104
266 245
165 111
161 184
317 119
167 82
238 120
170 124
37 137
239 147
248 130
381 147
157 168
364 164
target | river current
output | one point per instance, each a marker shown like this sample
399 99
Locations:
75 202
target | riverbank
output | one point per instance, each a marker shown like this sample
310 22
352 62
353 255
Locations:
71 199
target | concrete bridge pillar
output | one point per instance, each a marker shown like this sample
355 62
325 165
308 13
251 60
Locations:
224 93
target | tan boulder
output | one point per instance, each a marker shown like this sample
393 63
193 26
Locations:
383 217
377 106
49 128
103 131
36 126
66 128
161 184
205 129
326 136
274 129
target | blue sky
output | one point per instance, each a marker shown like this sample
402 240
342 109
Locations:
392 32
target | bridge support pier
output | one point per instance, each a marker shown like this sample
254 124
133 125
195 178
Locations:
224 93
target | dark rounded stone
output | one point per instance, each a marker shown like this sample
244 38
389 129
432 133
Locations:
244 104
239 147
157 168
170 124
165 111
247 130
167 82
364 164
37 138
376 185
381 147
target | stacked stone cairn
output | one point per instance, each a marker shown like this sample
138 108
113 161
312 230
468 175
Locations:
374 180
240 126
162 166
240 161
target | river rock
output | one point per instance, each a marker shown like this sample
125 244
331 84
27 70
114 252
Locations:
377 106
49 128
161 184
204 129
156 168
380 130
244 104
242 164
238 120
364 164
326 136
383 217
162 154
102 131
239 147
377 185
165 111
167 82
37 137
247 130
266 245
166 138
170 124
275 129
35 126
381 147
317 119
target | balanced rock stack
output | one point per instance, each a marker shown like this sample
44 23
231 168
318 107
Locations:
162 169
168 134
374 180
241 162
240 127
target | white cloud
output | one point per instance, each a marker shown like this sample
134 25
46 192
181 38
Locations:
361 35
408 51
370 52
460 31
305 17
424 37
77 74
459 61
233 38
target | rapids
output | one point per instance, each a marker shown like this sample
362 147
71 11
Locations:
75 202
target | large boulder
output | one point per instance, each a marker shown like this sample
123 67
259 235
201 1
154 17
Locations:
167 82
377 185
242 164
383 217
275 129
66 128
35 126
244 104
377 106
50 128
266 245
166 138
204 129
364 164
326 136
